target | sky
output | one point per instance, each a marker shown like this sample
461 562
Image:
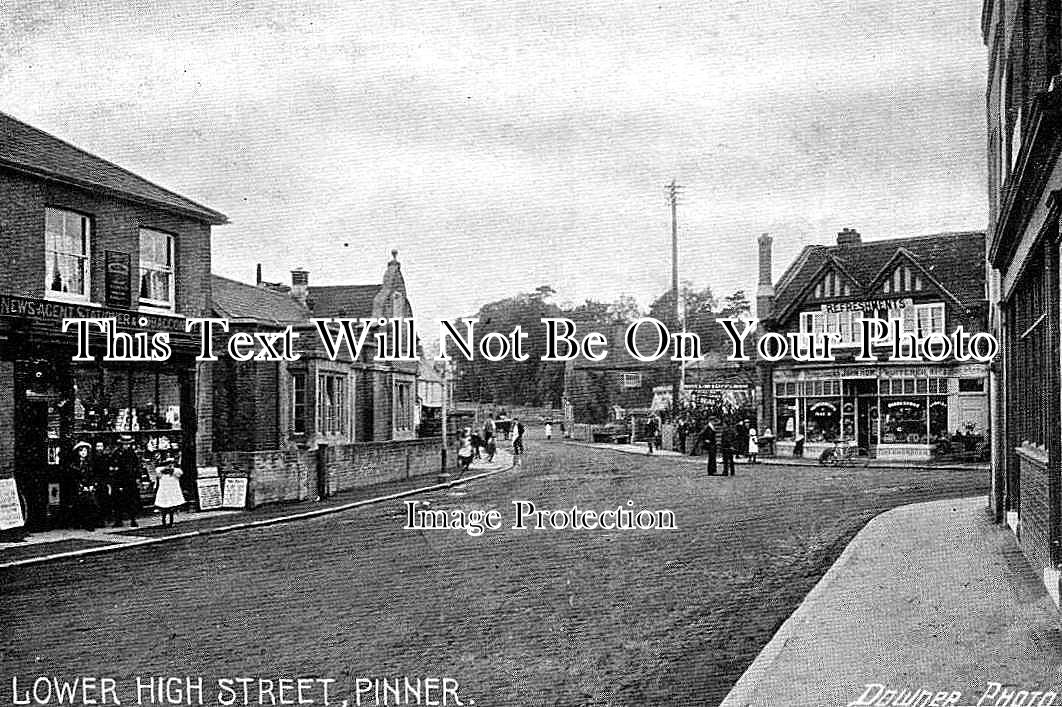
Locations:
500 146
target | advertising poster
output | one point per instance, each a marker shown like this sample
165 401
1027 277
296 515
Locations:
519 354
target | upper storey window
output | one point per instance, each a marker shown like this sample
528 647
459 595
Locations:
156 269
67 238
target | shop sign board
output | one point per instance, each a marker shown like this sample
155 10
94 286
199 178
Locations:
117 286
209 493
235 492
53 313
869 305
10 508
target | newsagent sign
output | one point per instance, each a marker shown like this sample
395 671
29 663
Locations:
53 313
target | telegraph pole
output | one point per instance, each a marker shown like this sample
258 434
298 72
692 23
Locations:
673 190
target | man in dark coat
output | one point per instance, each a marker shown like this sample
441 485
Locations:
125 482
727 440
708 438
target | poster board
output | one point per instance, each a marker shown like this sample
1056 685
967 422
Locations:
209 493
235 492
10 508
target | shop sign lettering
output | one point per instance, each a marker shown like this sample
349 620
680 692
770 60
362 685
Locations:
868 305
54 312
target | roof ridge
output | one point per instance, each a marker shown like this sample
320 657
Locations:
220 216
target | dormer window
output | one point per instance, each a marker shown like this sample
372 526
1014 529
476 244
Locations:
832 285
904 279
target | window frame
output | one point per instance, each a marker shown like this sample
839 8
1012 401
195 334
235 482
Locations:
171 242
631 380
86 258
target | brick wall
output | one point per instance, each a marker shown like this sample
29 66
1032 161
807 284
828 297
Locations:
115 225
291 475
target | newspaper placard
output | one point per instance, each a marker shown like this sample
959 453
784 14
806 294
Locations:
10 508
235 492
209 493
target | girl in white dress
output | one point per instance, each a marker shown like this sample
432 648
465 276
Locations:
754 445
168 496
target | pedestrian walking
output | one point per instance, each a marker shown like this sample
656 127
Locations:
518 437
549 430
125 471
650 433
754 445
490 444
709 441
726 448
168 494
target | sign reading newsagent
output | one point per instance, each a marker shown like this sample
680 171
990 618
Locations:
53 313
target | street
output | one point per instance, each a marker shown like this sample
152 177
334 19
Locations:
517 617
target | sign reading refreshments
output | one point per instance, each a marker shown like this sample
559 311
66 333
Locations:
117 286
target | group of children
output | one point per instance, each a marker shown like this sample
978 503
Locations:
471 446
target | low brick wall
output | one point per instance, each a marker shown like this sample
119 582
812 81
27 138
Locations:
277 476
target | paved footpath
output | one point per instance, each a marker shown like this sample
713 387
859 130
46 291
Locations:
927 596
63 543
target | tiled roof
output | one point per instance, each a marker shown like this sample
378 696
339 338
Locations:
956 260
343 300
238 300
27 149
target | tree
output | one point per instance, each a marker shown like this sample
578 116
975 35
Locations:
695 302
622 311
736 305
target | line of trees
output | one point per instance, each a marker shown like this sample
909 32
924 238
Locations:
536 382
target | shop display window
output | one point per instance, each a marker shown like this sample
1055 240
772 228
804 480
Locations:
903 420
111 401
823 419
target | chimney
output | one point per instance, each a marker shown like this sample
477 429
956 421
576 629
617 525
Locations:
300 285
765 284
848 238
258 275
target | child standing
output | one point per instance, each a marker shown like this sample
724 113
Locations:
465 450
168 497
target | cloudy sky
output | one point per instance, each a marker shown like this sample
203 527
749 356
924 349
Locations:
504 145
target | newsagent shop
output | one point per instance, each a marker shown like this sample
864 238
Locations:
886 409
84 238
57 403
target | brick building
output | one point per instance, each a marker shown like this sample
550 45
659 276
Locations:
82 237
259 405
1024 139
893 410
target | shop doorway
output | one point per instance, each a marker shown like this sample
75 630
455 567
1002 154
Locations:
867 415
33 475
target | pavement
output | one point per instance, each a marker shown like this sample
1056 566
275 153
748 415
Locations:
63 543
927 597
787 461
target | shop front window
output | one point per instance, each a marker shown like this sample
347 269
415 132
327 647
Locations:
903 420
938 419
823 419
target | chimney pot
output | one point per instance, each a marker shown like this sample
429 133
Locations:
849 237
300 285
